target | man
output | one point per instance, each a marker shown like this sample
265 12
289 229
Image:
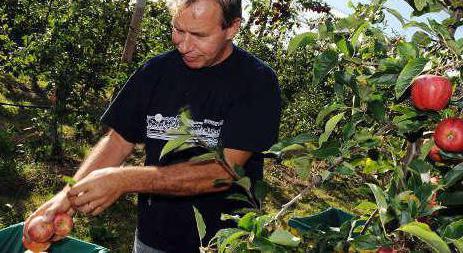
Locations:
235 105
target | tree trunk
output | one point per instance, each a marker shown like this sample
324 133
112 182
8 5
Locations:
134 28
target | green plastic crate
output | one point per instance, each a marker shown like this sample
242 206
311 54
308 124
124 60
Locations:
323 221
11 242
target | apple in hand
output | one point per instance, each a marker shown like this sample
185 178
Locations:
431 92
35 246
39 230
62 224
449 135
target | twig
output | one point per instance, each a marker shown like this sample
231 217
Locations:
316 181
370 219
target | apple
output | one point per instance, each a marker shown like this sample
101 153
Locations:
39 230
62 224
431 92
448 135
386 250
35 246
434 154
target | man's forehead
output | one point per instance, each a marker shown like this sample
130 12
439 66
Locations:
201 9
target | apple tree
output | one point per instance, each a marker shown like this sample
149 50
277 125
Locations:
390 93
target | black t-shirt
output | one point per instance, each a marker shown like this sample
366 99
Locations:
234 104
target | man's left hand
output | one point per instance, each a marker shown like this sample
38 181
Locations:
97 191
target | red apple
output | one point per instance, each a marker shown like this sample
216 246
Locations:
35 246
39 230
449 135
63 224
431 92
434 154
386 250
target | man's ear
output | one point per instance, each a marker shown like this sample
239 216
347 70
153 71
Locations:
234 28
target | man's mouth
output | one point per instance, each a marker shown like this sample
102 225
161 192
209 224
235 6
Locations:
189 58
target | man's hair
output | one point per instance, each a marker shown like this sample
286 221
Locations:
231 9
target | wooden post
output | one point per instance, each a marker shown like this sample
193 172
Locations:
134 28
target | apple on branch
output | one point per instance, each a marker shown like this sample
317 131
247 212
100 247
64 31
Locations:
448 135
431 92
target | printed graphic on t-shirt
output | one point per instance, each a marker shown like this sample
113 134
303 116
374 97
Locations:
206 131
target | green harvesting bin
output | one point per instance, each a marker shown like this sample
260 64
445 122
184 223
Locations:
323 221
11 242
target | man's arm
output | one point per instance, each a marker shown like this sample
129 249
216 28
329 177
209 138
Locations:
103 187
110 151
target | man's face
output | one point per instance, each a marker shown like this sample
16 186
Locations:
198 35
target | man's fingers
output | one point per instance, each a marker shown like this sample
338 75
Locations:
85 198
102 207
97 211
78 189
89 207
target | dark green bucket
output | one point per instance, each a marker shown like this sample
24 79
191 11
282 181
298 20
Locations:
11 242
323 221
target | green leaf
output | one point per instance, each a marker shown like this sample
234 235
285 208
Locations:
396 14
454 230
173 144
421 38
325 112
69 180
407 50
411 70
344 47
247 221
458 244
200 225
420 4
323 65
285 238
301 40
346 169
238 197
360 31
185 117
425 27
453 176
239 170
383 79
261 222
204 157
366 207
425 234
244 182
329 127
425 148
366 242
377 110
293 147
381 203
231 239
302 165
260 190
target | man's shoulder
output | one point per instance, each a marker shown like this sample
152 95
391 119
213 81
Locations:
253 65
161 60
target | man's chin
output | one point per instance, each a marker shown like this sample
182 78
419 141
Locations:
193 65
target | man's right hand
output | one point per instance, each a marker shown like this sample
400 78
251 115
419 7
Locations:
58 204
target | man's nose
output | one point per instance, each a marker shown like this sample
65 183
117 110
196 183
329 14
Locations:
185 44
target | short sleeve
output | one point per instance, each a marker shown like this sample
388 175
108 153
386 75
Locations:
252 122
127 112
